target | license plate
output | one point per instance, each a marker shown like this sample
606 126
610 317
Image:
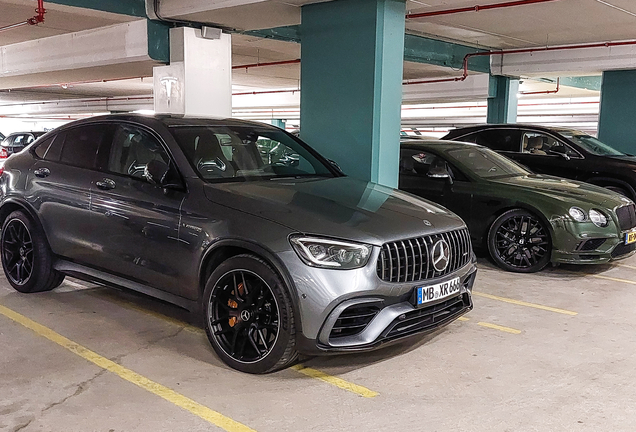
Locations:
630 237
438 291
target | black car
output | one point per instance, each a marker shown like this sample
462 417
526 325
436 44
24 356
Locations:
557 151
241 221
15 142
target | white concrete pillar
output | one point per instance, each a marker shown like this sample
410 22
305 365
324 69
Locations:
198 80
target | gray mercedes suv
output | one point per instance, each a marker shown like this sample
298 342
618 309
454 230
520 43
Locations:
241 221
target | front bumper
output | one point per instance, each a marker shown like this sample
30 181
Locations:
396 316
571 241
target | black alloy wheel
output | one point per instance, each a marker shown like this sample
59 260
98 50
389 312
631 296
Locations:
17 252
519 241
249 318
26 258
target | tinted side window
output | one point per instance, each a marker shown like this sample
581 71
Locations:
419 163
132 149
496 139
42 147
81 145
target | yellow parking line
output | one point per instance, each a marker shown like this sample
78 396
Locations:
522 303
164 392
500 328
626 265
313 373
338 382
132 306
613 279
463 319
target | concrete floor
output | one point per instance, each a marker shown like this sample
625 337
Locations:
559 373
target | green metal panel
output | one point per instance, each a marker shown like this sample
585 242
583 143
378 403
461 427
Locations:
159 41
584 82
123 7
431 51
617 125
502 99
416 48
351 73
285 34
278 123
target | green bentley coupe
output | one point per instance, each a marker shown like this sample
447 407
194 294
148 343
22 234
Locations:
525 220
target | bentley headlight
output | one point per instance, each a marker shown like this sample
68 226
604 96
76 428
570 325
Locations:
598 218
334 254
577 214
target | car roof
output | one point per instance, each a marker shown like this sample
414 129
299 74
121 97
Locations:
475 128
171 120
431 143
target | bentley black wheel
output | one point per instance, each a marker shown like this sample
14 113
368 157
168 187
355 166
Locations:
519 241
26 258
249 316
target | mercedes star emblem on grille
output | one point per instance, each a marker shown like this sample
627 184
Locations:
441 255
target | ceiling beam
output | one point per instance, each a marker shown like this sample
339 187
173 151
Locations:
128 7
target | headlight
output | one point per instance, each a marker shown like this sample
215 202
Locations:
598 218
577 214
335 254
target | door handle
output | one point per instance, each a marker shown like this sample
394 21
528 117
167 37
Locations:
42 172
106 184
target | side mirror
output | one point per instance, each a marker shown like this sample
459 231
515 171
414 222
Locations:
156 172
439 172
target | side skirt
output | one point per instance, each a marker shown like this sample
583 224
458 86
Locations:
91 275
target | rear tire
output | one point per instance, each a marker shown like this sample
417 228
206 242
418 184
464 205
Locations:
518 241
249 318
27 260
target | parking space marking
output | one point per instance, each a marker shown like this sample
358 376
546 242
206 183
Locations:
625 265
162 391
500 328
338 382
463 319
522 303
132 306
627 281
310 372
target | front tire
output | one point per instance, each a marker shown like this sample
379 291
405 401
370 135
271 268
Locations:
26 258
249 318
518 241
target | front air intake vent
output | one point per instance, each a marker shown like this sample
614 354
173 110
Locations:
353 320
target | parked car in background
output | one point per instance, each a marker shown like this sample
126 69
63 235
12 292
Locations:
1 136
524 220
16 142
281 252
557 151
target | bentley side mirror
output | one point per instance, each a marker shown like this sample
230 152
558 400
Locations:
439 172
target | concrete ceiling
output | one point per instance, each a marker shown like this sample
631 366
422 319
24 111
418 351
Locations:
551 23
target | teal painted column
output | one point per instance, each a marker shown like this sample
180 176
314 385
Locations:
351 73
617 120
502 99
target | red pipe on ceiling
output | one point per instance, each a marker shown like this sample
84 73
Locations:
522 51
276 63
36 19
558 84
476 8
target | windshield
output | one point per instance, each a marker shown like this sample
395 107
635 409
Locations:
590 143
485 163
235 153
